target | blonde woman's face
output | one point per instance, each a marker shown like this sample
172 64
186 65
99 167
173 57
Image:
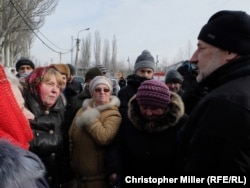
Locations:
50 91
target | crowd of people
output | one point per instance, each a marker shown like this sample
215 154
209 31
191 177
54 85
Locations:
55 133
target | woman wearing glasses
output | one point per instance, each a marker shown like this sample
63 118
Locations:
93 129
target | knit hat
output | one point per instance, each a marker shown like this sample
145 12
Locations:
153 93
99 80
173 76
24 61
13 124
228 30
72 69
145 60
92 72
62 68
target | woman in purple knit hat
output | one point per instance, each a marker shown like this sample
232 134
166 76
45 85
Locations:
147 142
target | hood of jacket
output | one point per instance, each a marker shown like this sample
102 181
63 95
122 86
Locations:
172 115
18 167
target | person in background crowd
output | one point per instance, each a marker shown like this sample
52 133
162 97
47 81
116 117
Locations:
147 141
93 129
193 91
24 67
65 72
85 94
102 69
42 97
216 138
122 82
143 70
18 167
174 80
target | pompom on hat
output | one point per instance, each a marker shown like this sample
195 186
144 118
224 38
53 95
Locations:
145 60
99 80
153 93
13 124
228 30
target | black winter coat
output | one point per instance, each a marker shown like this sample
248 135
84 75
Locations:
147 148
128 91
217 136
49 135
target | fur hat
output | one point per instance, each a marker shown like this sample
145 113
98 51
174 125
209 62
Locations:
13 124
228 30
99 80
62 68
24 61
92 72
145 60
173 76
153 93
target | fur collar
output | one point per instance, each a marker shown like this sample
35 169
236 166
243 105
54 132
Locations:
88 115
173 114
114 101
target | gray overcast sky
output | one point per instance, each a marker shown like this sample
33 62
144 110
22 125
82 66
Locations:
164 27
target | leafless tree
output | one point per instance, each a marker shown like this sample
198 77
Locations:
106 55
86 52
113 58
97 48
18 21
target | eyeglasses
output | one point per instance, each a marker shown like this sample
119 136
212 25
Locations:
98 90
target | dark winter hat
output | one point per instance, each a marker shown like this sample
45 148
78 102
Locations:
102 68
92 72
145 60
153 93
173 76
228 30
24 61
72 69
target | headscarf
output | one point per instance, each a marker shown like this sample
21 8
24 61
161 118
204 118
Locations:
13 124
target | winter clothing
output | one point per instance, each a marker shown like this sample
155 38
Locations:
13 124
92 130
100 80
217 137
72 69
153 93
49 130
92 72
20 168
228 30
143 147
24 61
145 60
173 76
128 91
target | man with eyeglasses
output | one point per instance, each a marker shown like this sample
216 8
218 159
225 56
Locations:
24 67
